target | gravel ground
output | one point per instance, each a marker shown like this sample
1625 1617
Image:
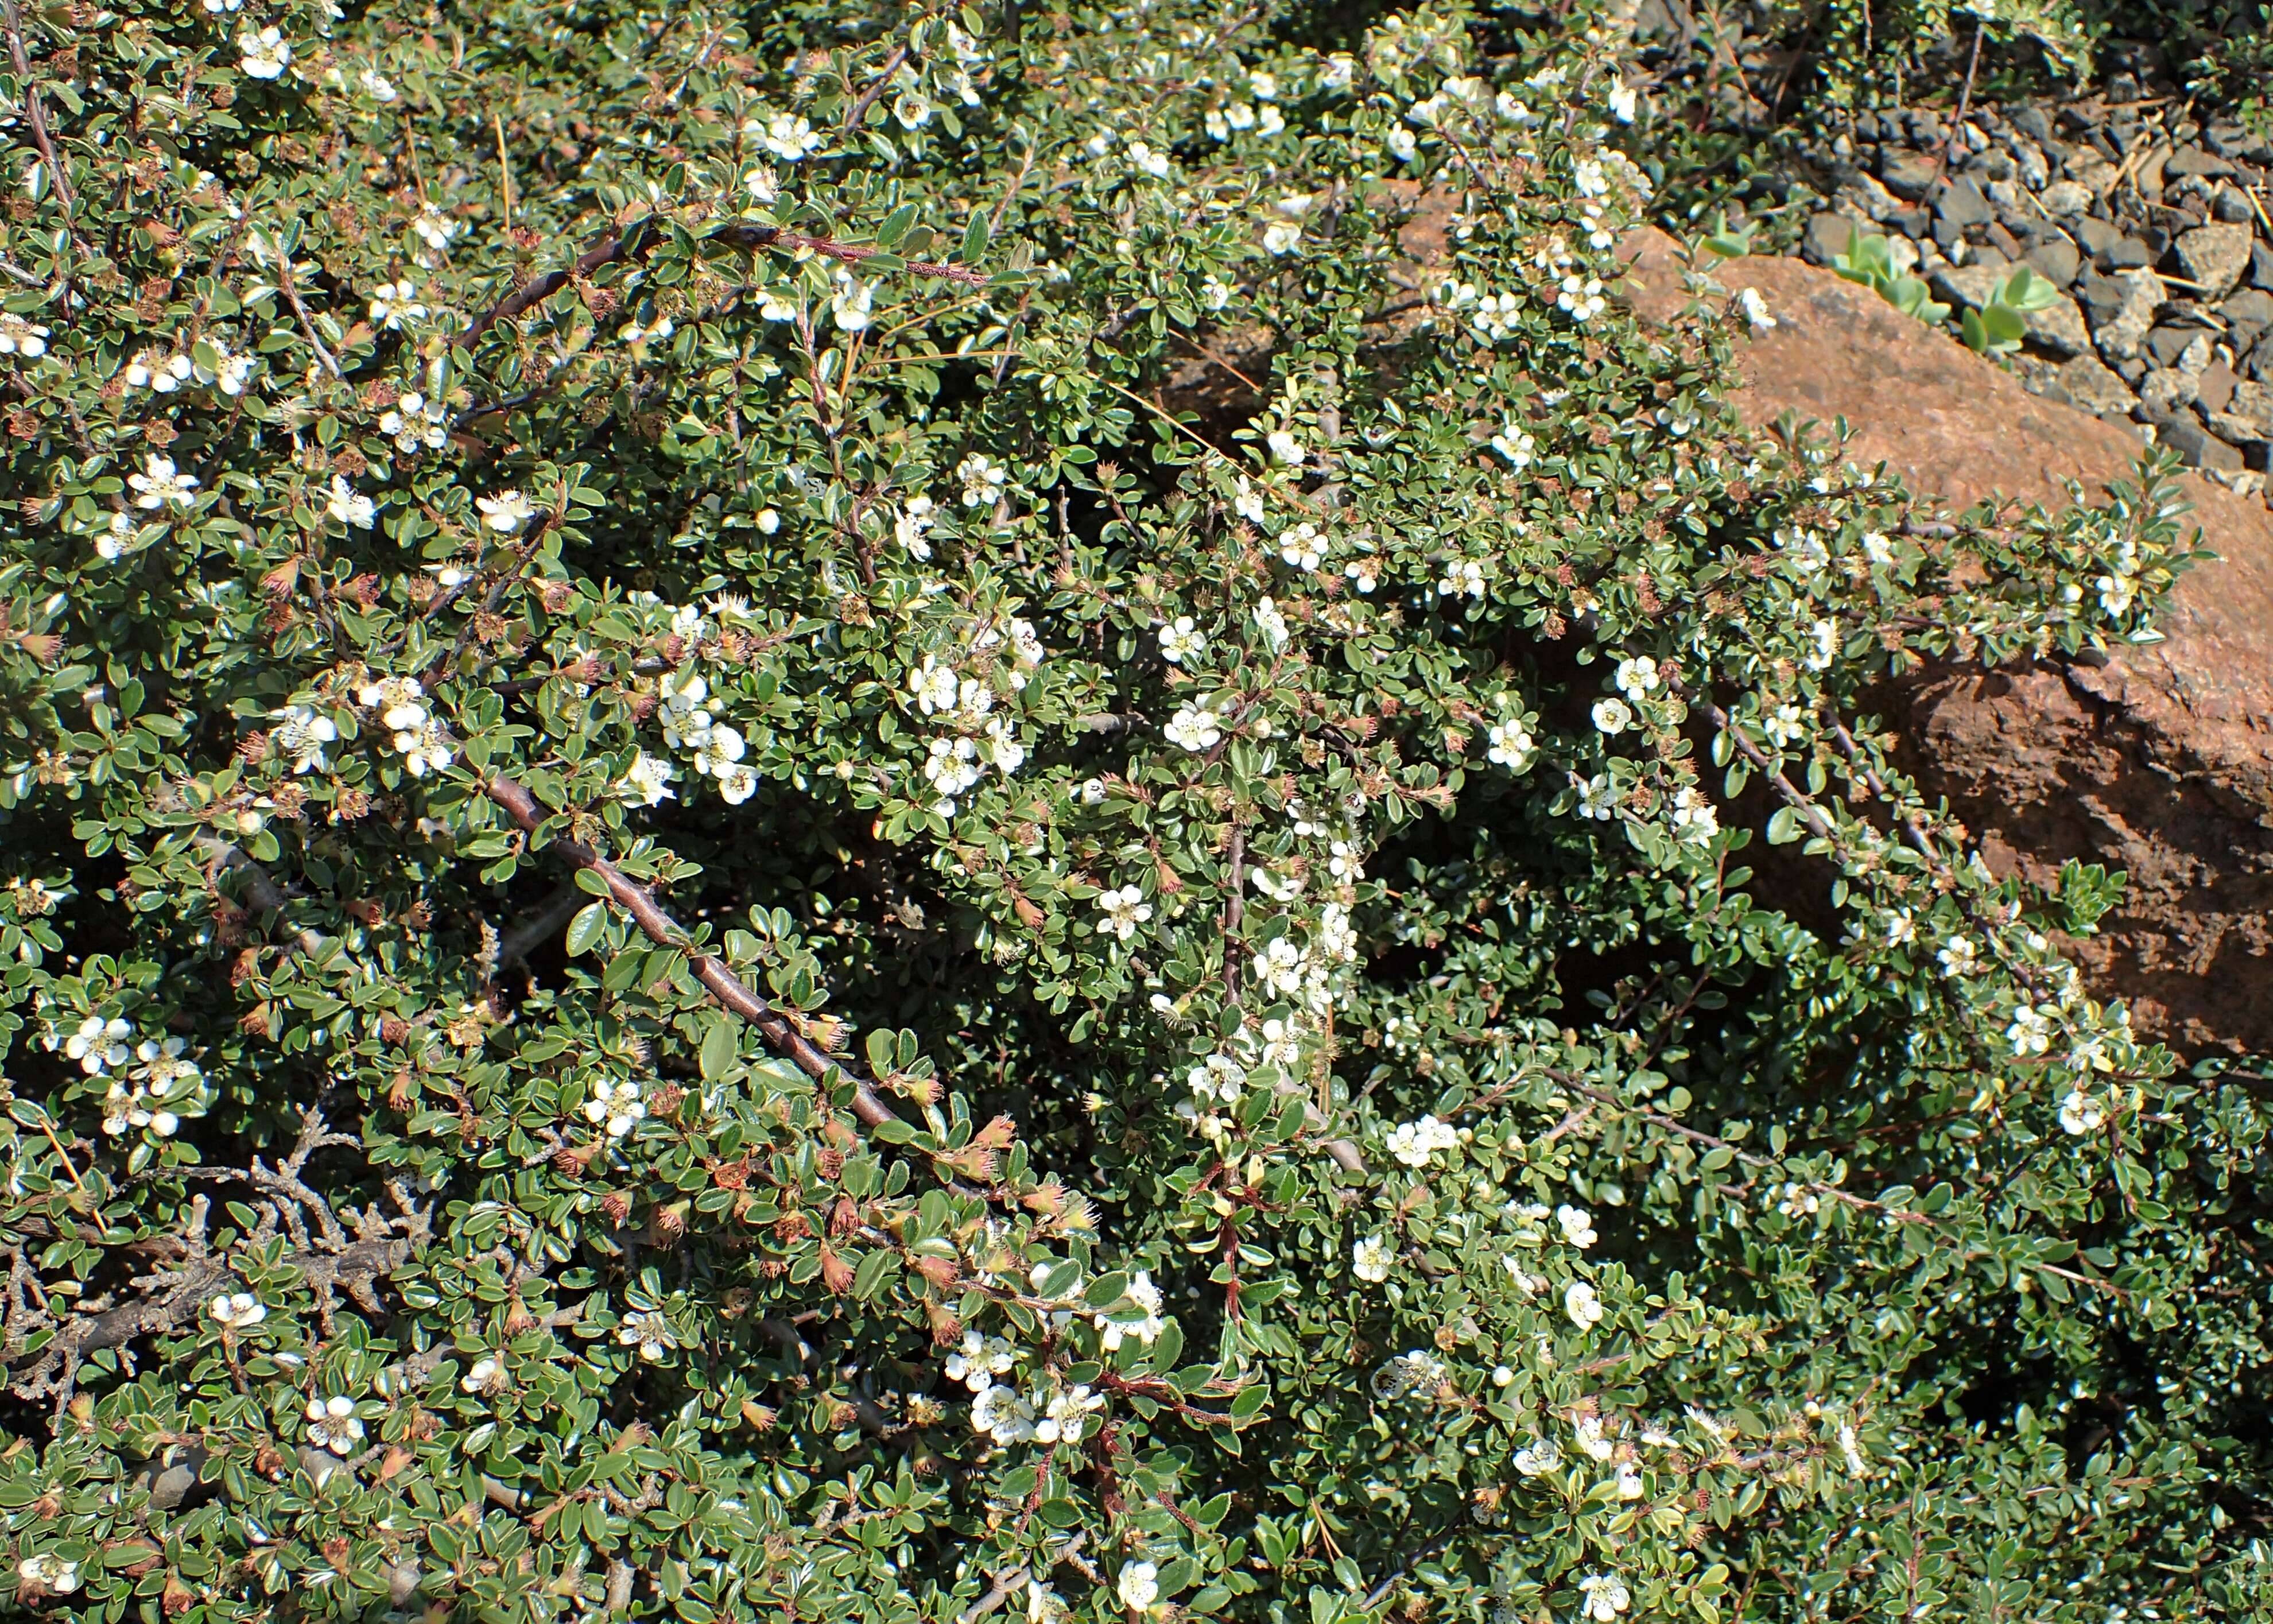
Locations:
2157 228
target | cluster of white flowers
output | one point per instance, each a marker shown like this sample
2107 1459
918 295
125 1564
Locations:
153 1095
1416 1143
417 422
714 748
2082 1113
1059 1415
417 737
395 302
954 764
1694 818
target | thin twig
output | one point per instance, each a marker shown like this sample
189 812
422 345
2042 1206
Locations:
1964 101
857 115
36 117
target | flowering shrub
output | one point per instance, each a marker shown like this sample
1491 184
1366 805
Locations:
908 814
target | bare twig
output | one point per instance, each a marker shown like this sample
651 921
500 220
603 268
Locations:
35 116
724 985
858 112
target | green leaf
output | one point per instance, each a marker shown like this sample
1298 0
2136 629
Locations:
588 923
721 1043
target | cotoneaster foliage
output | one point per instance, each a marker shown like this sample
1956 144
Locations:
915 814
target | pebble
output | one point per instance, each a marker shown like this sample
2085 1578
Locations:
2092 386
2064 198
1907 173
2055 259
2058 328
2215 257
2122 332
1962 204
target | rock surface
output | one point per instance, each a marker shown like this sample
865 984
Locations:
2158 762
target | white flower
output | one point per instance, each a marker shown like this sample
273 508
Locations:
19 337
720 748
979 1360
1582 297
376 85
1595 799
1877 548
332 1423
983 482
235 1311
736 784
1629 1480
616 1106
647 781
1825 636
650 1332
349 506
1146 1295
913 525
1413 1143
1271 624
933 686
1461 576
789 137
433 230
1147 161
1958 958
99 1044
1247 502
158 484
911 110
505 512
1784 724
952 767
1401 143
1139 1586
1370 1258
1805 550
415 421
1623 103
1693 817
1065 1419
301 734
56 1575
1637 677
1587 1430
1286 450
1124 911
1510 744
1606 1597
1580 1302
1513 444
1194 727
851 301
1281 235
111 541
264 53
1578 1226
1613 715
1537 1458
1181 640
1002 1414
425 749
2081 1113
2030 1032
400 701
1901 928
2116 593
1302 545
395 302
1756 309
485 1375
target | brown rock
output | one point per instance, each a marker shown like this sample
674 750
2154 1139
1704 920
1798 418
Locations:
2158 762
